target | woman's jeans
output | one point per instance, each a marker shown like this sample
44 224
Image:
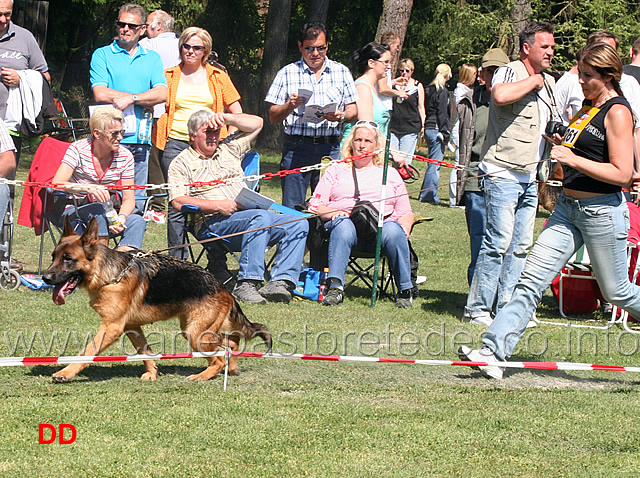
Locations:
429 191
132 235
405 143
395 247
602 225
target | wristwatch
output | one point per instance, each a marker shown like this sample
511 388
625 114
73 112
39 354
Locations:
134 98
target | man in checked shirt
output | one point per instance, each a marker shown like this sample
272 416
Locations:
305 143
209 159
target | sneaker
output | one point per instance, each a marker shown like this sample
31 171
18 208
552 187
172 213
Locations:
404 299
16 266
247 291
483 355
148 216
485 320
276 291
159 217
335 296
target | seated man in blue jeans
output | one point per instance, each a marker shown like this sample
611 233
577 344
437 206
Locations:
208 160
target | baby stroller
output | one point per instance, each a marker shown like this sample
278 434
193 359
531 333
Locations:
9 278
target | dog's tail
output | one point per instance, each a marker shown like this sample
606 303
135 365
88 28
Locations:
250 329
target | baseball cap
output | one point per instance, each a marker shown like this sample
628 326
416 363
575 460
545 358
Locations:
494 57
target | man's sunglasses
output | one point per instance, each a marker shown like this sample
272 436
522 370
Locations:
319 48
132 26
188 47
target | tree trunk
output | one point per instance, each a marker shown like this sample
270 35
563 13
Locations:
395 18
317 11
275 56
520 13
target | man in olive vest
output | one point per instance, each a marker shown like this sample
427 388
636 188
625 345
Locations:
522 102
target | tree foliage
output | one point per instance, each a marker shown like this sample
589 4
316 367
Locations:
439 31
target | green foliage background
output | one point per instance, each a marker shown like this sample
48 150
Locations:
440 31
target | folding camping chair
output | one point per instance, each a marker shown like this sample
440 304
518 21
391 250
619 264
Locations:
364 271
63 127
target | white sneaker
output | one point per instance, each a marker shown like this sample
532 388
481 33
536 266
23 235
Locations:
485 320
483 355
533 322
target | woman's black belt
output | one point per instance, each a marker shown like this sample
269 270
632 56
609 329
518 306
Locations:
315 139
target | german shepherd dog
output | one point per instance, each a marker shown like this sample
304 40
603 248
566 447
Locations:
128 291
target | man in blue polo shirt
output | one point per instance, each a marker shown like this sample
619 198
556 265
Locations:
130 78
306 142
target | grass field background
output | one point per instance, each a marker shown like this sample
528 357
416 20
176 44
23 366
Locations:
302 418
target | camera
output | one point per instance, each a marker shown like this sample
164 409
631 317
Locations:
555 127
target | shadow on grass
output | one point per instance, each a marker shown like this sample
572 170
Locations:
101 373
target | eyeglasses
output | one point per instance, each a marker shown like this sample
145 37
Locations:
320 49
405 70
132 26
386 62
6 14
373 124
195 48
115 134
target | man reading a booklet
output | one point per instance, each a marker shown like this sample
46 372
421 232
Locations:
313 97
208 159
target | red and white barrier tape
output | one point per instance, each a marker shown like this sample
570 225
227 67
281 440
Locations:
26 361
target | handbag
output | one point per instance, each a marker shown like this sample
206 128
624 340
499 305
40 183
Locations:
364 214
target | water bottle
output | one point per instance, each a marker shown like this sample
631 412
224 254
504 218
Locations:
112 215
144 130
322 290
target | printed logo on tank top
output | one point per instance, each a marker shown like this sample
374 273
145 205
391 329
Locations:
579 123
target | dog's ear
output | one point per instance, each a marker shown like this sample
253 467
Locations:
90 239
68 228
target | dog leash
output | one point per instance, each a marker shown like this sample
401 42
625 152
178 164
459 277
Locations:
137 255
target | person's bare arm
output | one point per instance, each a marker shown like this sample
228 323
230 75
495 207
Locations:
278 113
507 93
120 100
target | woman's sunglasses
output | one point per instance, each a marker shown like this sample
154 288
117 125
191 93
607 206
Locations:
196 48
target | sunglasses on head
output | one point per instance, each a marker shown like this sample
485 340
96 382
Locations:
319 48
132 26
372 124
188 47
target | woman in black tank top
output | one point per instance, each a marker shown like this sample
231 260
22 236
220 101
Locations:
597 156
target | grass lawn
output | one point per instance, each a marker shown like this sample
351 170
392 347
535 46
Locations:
303 418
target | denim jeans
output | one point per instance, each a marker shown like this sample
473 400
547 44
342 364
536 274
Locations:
291 240
453 177
132 235
510 213
431 180
601 223
395 247
405 143
476 215
141 169
298 154
175 219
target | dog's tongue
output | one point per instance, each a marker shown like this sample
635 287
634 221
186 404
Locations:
58 294
62 290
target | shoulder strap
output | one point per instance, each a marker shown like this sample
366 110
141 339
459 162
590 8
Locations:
355 183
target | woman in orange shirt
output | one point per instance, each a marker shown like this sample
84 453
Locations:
193 85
